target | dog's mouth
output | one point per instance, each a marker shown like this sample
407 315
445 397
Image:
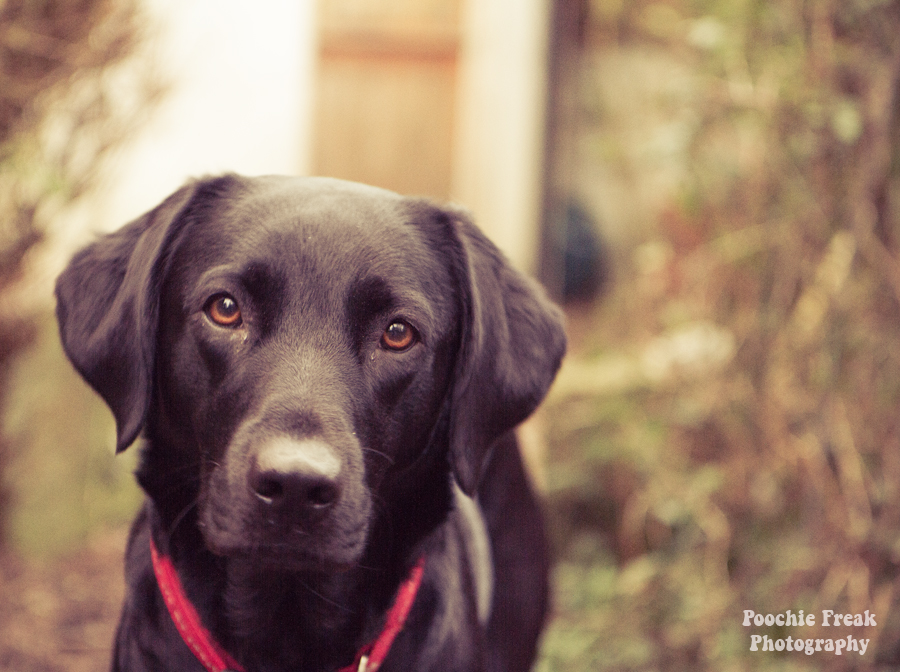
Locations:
284 558
333 544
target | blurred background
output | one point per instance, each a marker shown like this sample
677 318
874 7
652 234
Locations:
710 187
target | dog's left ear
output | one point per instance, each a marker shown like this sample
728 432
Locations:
512 345
107 311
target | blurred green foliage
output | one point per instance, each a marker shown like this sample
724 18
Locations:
69 483
727 437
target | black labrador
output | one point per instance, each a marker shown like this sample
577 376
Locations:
326 376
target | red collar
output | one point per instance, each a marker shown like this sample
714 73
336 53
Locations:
217 659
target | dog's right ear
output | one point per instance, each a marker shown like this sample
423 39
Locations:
107 308
511 346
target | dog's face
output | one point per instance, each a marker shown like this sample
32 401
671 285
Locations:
289 346
306 341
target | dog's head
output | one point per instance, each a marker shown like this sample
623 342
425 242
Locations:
290 344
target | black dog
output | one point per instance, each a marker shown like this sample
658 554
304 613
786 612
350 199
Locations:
326 376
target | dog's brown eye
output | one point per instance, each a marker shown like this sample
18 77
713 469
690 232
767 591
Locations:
398 336
224 311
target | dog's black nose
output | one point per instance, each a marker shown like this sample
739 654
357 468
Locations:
296 479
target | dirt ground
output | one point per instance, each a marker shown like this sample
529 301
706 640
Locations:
60 615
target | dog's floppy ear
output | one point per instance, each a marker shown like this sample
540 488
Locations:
512 345
107 308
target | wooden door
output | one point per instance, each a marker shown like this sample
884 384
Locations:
385 96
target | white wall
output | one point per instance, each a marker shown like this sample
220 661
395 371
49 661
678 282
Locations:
498 163
241 76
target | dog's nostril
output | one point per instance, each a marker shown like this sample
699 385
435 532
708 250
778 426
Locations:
269 489
322 495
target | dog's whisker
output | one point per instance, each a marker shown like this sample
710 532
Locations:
390 460
340 606
178 485
181 516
